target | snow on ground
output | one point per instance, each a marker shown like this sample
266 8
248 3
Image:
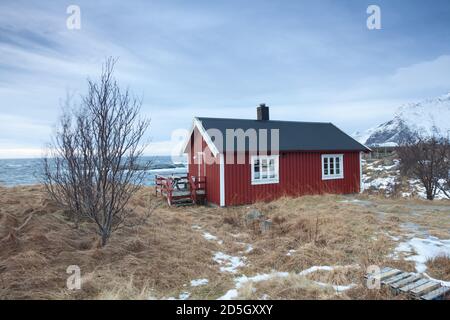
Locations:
182 296
444 283
199 282
209 236
248 247
381 183
229 263
394 238
379 176
357 201
420 250
326 268
338 289
242 280
290 252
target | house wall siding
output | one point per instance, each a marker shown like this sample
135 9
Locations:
300 173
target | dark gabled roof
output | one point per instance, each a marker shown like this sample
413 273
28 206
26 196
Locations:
293 136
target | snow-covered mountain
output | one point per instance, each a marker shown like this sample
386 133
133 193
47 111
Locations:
421 117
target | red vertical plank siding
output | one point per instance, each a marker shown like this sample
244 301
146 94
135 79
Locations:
212 169
300 173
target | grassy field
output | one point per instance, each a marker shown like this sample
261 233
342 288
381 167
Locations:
222 252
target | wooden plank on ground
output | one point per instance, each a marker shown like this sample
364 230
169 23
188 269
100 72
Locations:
438 294
413 285
384 275
396 278
425 288
389 274
404 282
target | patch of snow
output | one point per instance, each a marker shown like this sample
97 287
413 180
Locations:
326 268
393 237
290 252
199 282
380 183
184 296
249 248
444 283
240 281
391 178
231 263
229 295
357 201
337 288
420 250
196 227
209 236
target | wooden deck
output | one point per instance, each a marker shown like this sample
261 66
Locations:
181 190
415 286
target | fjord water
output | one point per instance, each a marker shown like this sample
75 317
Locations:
16 172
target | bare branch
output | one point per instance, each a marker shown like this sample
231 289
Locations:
93 161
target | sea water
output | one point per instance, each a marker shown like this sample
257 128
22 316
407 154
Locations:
16 172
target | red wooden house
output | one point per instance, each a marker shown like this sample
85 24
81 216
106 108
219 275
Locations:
287 158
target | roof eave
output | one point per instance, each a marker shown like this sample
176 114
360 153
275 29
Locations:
196 123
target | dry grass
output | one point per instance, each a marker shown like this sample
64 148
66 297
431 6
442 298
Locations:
439 267
287 288
153 259
159 258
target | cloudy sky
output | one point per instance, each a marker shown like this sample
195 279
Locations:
308 60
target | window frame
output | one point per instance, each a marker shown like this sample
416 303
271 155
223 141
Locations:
267 180
333 176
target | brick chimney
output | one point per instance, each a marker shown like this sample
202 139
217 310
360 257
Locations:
262 112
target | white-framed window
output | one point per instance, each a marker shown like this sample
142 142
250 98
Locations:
332 166
265 169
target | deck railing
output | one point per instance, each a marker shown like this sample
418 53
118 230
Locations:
181 187
164 185
197 186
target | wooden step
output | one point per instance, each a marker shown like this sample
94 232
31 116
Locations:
431 285
413 285
396 278
438 294
416 286
385 274
401 283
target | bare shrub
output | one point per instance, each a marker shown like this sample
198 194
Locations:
426 159
93 164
